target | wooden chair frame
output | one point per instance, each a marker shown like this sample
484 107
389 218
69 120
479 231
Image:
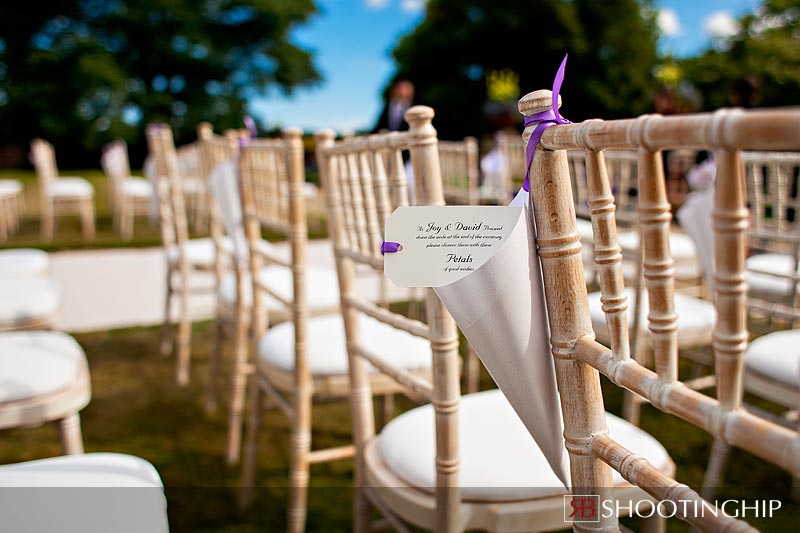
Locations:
44 159
579 358
12 207
174 236
125 207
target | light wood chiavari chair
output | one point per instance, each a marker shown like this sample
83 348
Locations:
579 358
61 195
130 195
460 462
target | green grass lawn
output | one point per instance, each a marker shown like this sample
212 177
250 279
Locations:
68 233
136 408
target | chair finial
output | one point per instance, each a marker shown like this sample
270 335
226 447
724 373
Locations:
536 102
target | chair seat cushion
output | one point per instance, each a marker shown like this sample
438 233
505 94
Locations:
498 458
10 187
776 356
681 246
138 187
322 290
696 317
73 186
28 298
33 363
199 252
765 284
23 262
58 507
327 353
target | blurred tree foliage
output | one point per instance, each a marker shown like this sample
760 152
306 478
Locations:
766 48
611 46
83 72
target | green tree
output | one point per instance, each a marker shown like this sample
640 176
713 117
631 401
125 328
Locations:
611 46
767 47
82 72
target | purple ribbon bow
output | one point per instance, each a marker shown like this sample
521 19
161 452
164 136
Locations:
250 124
542 121
389 247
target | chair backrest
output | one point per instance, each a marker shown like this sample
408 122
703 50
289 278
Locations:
621 170
459 161
114 161
513 151
169 187
773 192
43 158
272 174
579 358
361 193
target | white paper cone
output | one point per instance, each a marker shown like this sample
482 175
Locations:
501 310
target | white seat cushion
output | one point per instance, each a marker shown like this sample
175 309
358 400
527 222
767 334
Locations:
138 187
33 363
776 356
56 506
696 317
199 252
681 246
10 187
499 460
327 353
23 262
73 186
28 298
322 288
766 285
584 228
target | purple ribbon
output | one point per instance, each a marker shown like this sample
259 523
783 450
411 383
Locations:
389 247
542 121
250 124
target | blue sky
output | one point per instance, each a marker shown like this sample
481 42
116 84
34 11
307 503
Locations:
352 41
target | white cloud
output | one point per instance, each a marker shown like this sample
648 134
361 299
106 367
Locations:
376 4
413 5
668 22
720 25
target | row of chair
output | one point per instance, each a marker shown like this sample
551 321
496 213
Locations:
418 481
45 378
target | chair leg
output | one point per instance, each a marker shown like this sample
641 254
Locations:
386 412
71 437
632 407
184 340
362 511
48 222
299 468
214 365
166 327
126 220
472 370
249 461
715 471
241 372
87 219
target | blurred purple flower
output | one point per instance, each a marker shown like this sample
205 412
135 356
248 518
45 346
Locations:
250 124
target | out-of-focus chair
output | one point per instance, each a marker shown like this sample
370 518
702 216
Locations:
130 196
91 493
772 361
45 377
185 257
12 204
61 195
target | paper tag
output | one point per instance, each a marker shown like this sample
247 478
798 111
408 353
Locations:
442 244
